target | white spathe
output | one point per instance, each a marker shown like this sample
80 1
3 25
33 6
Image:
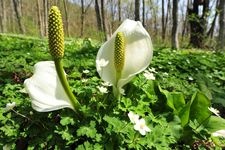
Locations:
45 89
138 53
219 133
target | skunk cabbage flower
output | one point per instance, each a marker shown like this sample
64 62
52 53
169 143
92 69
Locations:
48 87
128 52
45 88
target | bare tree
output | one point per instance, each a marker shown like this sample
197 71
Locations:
221 36
103 19
174 41
66 18
211 29
16 5
98 16
45 16
137 10
40 26
143 12
163 21
2 16
119 9
198 22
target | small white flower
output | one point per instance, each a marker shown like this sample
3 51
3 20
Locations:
141 127
122 91
149 76
106 84
133 117
190 78
101 63
102 89
10 106
86 71
165 73
219 133
215 111
84 80
188 61
152 70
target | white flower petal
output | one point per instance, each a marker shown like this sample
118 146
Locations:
138 53
133 117
10 106
141 126
219 133
45 89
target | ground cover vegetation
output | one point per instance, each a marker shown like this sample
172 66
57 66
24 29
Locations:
182 78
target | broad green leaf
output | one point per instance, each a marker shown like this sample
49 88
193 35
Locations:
199 108
215 123
184 114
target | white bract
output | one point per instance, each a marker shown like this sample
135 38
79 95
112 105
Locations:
102 89
138 54
148 75
101 64
219 133
86 71
133 117
141 127
45 88
10 106
214 111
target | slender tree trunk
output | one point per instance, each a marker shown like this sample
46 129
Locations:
18 15
163 21
198 23
119 9
175 44
98 16
41 32
143 12
66 18
137 10
45 16
82 18
2 16
103 19
185 24
221 36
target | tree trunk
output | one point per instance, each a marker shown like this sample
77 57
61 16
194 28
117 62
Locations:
119 9
41 32
137 10
45 16
18 15
163 21
175 44
82 18
98 16
103 19
198 23
143 12
66 18
221 36
2 16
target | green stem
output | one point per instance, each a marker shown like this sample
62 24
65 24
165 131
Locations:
116 91
65 84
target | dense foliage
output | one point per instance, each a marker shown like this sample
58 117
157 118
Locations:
175 105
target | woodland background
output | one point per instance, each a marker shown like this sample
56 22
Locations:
174 23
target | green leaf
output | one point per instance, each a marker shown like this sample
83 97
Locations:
199 108
66 121
184 114
215 123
